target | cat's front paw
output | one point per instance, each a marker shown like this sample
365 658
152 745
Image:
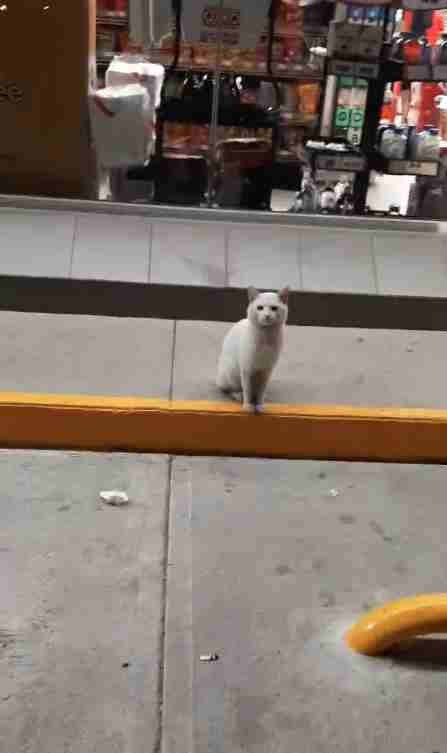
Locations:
248 408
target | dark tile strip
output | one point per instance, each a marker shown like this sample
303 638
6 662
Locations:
140 300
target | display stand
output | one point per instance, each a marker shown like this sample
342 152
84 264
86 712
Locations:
173 111
389 71
246 116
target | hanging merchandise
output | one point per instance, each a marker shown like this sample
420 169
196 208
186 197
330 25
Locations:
129 69
415 50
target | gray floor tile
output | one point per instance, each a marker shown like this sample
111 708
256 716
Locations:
279 570
85 355
264 257
109 247
337 261
82 601
36 243
188 254
326 365
410 265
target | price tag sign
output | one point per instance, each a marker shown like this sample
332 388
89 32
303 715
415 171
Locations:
367 70
367 2
440 72
347 68
423 168
342 68
409 167
340 162
417 72
424 4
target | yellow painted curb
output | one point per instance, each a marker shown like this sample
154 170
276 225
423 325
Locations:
397 621
207 428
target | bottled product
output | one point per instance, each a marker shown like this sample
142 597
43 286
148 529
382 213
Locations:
425 145
356 14
412 137
328 199
308 96
441 104
393 143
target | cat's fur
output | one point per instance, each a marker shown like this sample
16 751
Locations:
252 347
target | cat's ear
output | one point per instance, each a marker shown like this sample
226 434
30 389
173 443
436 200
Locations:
252 294
283 295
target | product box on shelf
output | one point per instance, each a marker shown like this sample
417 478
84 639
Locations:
369 48
240 22
354 40
343 39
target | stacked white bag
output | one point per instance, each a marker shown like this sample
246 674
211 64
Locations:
123 114
150 75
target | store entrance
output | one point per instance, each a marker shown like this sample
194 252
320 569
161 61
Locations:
315 111
250 105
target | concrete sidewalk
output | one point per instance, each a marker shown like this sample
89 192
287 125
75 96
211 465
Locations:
271 562
266 563
162 359
82 602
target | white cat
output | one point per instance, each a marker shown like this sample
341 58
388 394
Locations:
252 347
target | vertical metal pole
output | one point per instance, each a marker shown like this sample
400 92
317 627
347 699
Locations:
139 21
373 109
215 106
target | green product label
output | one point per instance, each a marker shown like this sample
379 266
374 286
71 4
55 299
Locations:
342 117
357 117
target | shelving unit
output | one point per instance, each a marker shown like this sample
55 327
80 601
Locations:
281 125
112 26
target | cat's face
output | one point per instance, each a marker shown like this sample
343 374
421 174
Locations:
268 309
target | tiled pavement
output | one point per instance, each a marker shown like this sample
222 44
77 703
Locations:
137 249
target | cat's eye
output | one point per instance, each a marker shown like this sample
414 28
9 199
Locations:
260 308
274 308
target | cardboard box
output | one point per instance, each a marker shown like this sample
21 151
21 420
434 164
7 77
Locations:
343 39
242 21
